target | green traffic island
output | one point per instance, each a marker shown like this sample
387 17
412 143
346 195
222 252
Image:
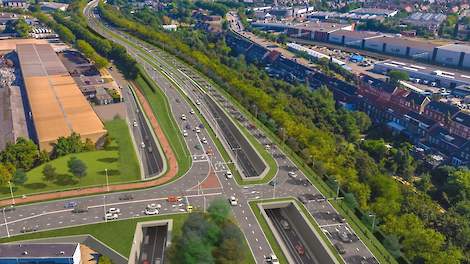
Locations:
73 164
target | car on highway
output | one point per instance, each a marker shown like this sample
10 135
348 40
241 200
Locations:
185 133
344 237
111 216
174 199
29 229
134 123
191 111
292 174
183 117
114 210
149 211
272 259
284 224
71 204
126 197
274 182
142 144
233 201
198 102
204 140
228 174
340 248
154 206
197 130
300 249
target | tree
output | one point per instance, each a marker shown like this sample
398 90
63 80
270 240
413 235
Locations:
6 173
104 260
77 167
49 172
22 154
22 28
20 177
68 145
230 252
219 211
396 76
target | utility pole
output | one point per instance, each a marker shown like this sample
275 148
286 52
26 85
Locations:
104 208
373 221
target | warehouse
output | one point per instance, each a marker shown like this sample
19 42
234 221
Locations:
401 47
58 108
456 55
431 74
351 38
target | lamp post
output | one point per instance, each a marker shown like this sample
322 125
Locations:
337 189
104 209
107 179
11 192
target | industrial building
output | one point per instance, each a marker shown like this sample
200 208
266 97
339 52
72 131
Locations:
401 47
456 55
351 38
58 108
425 72
66 253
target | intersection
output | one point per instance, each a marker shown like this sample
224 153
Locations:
205 180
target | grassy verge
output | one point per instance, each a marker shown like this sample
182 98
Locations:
159 104
106 232
119 159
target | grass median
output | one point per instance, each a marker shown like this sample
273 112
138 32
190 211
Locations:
119 159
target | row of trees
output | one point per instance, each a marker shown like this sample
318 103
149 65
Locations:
327 137
210 237
90 53
75 166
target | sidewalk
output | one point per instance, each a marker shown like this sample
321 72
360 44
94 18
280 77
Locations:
168 176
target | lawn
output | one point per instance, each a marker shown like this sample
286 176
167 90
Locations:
119 159
161 108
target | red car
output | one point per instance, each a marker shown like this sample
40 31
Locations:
300 249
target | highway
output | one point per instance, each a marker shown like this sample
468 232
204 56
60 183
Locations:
149 152
183 87
154 241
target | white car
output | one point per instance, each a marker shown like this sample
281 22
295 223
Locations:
154 206
272 259
204 140
142 145
191 111
110 216
233 201
198 130
113 210
183 117
149 211
185 133
198 102
229 175
134 123
292 174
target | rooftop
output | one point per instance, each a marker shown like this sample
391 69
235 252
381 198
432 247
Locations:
37 250
443 108
462 118
375 11
456 48
356 34
408 42
310 25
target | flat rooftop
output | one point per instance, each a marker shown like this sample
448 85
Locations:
407 42
57 104
8 251
317 26
456 48
356 34
10 44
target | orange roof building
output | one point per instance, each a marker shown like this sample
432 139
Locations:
58 107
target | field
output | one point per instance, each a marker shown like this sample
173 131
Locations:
119 159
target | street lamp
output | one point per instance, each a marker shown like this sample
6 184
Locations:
104 209
337 189
107 179
11 192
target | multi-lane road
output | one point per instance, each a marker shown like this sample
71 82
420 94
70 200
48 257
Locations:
184 89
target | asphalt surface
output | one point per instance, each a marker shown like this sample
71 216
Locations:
291 238
153 246
53 215
148 152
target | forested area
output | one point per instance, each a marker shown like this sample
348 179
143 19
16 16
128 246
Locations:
331 140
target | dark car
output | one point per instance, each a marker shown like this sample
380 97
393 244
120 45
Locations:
126 197
300 249
29 229
80 208
71 204
274 183
340 248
